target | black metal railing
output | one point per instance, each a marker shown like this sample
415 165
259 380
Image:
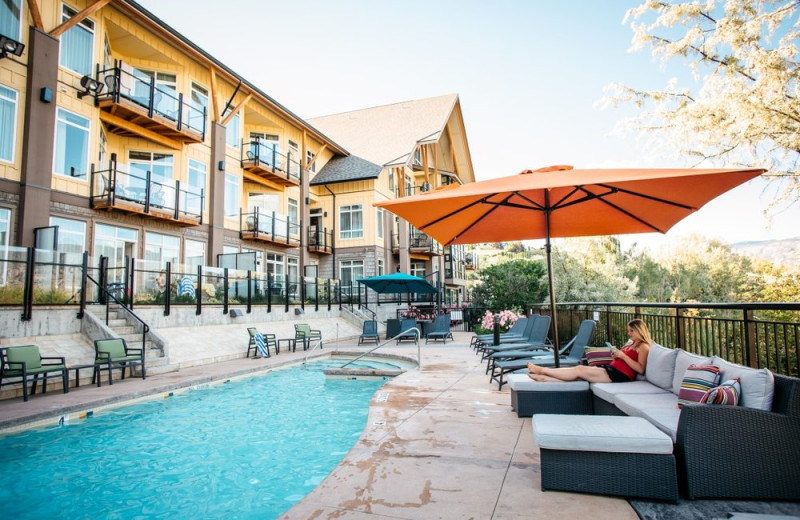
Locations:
264 153
320 240
269 225
762 335
418 243
158 100
168 199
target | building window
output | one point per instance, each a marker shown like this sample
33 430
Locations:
233 132
310 157
158 164
161 249
231 195
380 267
10 16
409 185
199 107
195 253
350 271
116 244
351 222
71 155
77 44
275 266
8 122
391 180
293 270
197 186
5 235
418 269
379 222
71 234
293 212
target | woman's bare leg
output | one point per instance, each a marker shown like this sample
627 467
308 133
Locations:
580 372
544 379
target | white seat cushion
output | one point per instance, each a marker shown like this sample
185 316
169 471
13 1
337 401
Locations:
611 434
660 368
660 409
523 383
607 391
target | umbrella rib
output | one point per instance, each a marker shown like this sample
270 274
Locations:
650 197
464 208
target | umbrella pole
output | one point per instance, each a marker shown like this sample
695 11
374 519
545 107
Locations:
553 312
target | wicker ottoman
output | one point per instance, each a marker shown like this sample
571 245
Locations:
607 455
529 397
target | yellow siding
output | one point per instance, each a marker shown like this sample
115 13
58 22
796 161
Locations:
13 75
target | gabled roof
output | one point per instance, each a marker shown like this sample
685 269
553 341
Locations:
388 135
344 169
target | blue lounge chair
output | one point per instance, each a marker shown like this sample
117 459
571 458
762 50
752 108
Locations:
440 329
518 330
408 330
536 339
574 347
369 332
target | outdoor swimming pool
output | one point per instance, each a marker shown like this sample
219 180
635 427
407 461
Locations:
249 448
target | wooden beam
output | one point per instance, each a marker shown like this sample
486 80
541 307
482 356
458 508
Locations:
36 14
453 151
316 155
425 163
78 18
252 177
242 103
213 97
144 132
438 178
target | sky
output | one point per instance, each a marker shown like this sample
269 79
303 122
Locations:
528 74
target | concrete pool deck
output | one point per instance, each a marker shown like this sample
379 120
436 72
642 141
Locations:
440 442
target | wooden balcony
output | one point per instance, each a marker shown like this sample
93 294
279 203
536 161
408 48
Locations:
269 227
134 105
320 241
116 190
262 158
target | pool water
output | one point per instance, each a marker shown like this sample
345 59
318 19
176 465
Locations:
249 448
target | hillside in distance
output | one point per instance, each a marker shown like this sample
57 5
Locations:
786 252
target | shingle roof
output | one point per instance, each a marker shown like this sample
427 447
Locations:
388 134
343 169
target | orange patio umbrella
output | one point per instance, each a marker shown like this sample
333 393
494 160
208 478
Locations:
559 201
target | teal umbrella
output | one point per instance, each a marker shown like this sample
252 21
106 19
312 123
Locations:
398 283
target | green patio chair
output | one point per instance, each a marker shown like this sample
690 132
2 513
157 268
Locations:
303 332
115 353
25 361
269 341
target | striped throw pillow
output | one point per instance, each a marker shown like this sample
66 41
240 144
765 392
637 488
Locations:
597 355
726 393
697 380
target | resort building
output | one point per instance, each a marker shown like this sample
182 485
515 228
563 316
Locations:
395 150
120 137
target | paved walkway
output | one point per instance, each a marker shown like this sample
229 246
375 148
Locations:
440 443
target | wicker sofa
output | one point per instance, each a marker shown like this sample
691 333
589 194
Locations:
750 451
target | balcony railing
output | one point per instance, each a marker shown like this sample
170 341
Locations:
270 227
136 101
320 240
142 194
261 156
419 243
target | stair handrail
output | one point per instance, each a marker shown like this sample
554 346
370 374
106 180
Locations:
319 344
416 340
145 326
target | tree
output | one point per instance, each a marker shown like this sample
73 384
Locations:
746 111
511 285
591 270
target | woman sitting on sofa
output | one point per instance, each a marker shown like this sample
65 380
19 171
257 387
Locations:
626 363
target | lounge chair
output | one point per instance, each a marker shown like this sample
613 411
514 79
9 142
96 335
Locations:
440 329
408 330
536 339
24 361
304 333
266 341
369 332
115 353
575 347
518 330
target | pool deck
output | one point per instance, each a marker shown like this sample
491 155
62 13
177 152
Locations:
440 442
